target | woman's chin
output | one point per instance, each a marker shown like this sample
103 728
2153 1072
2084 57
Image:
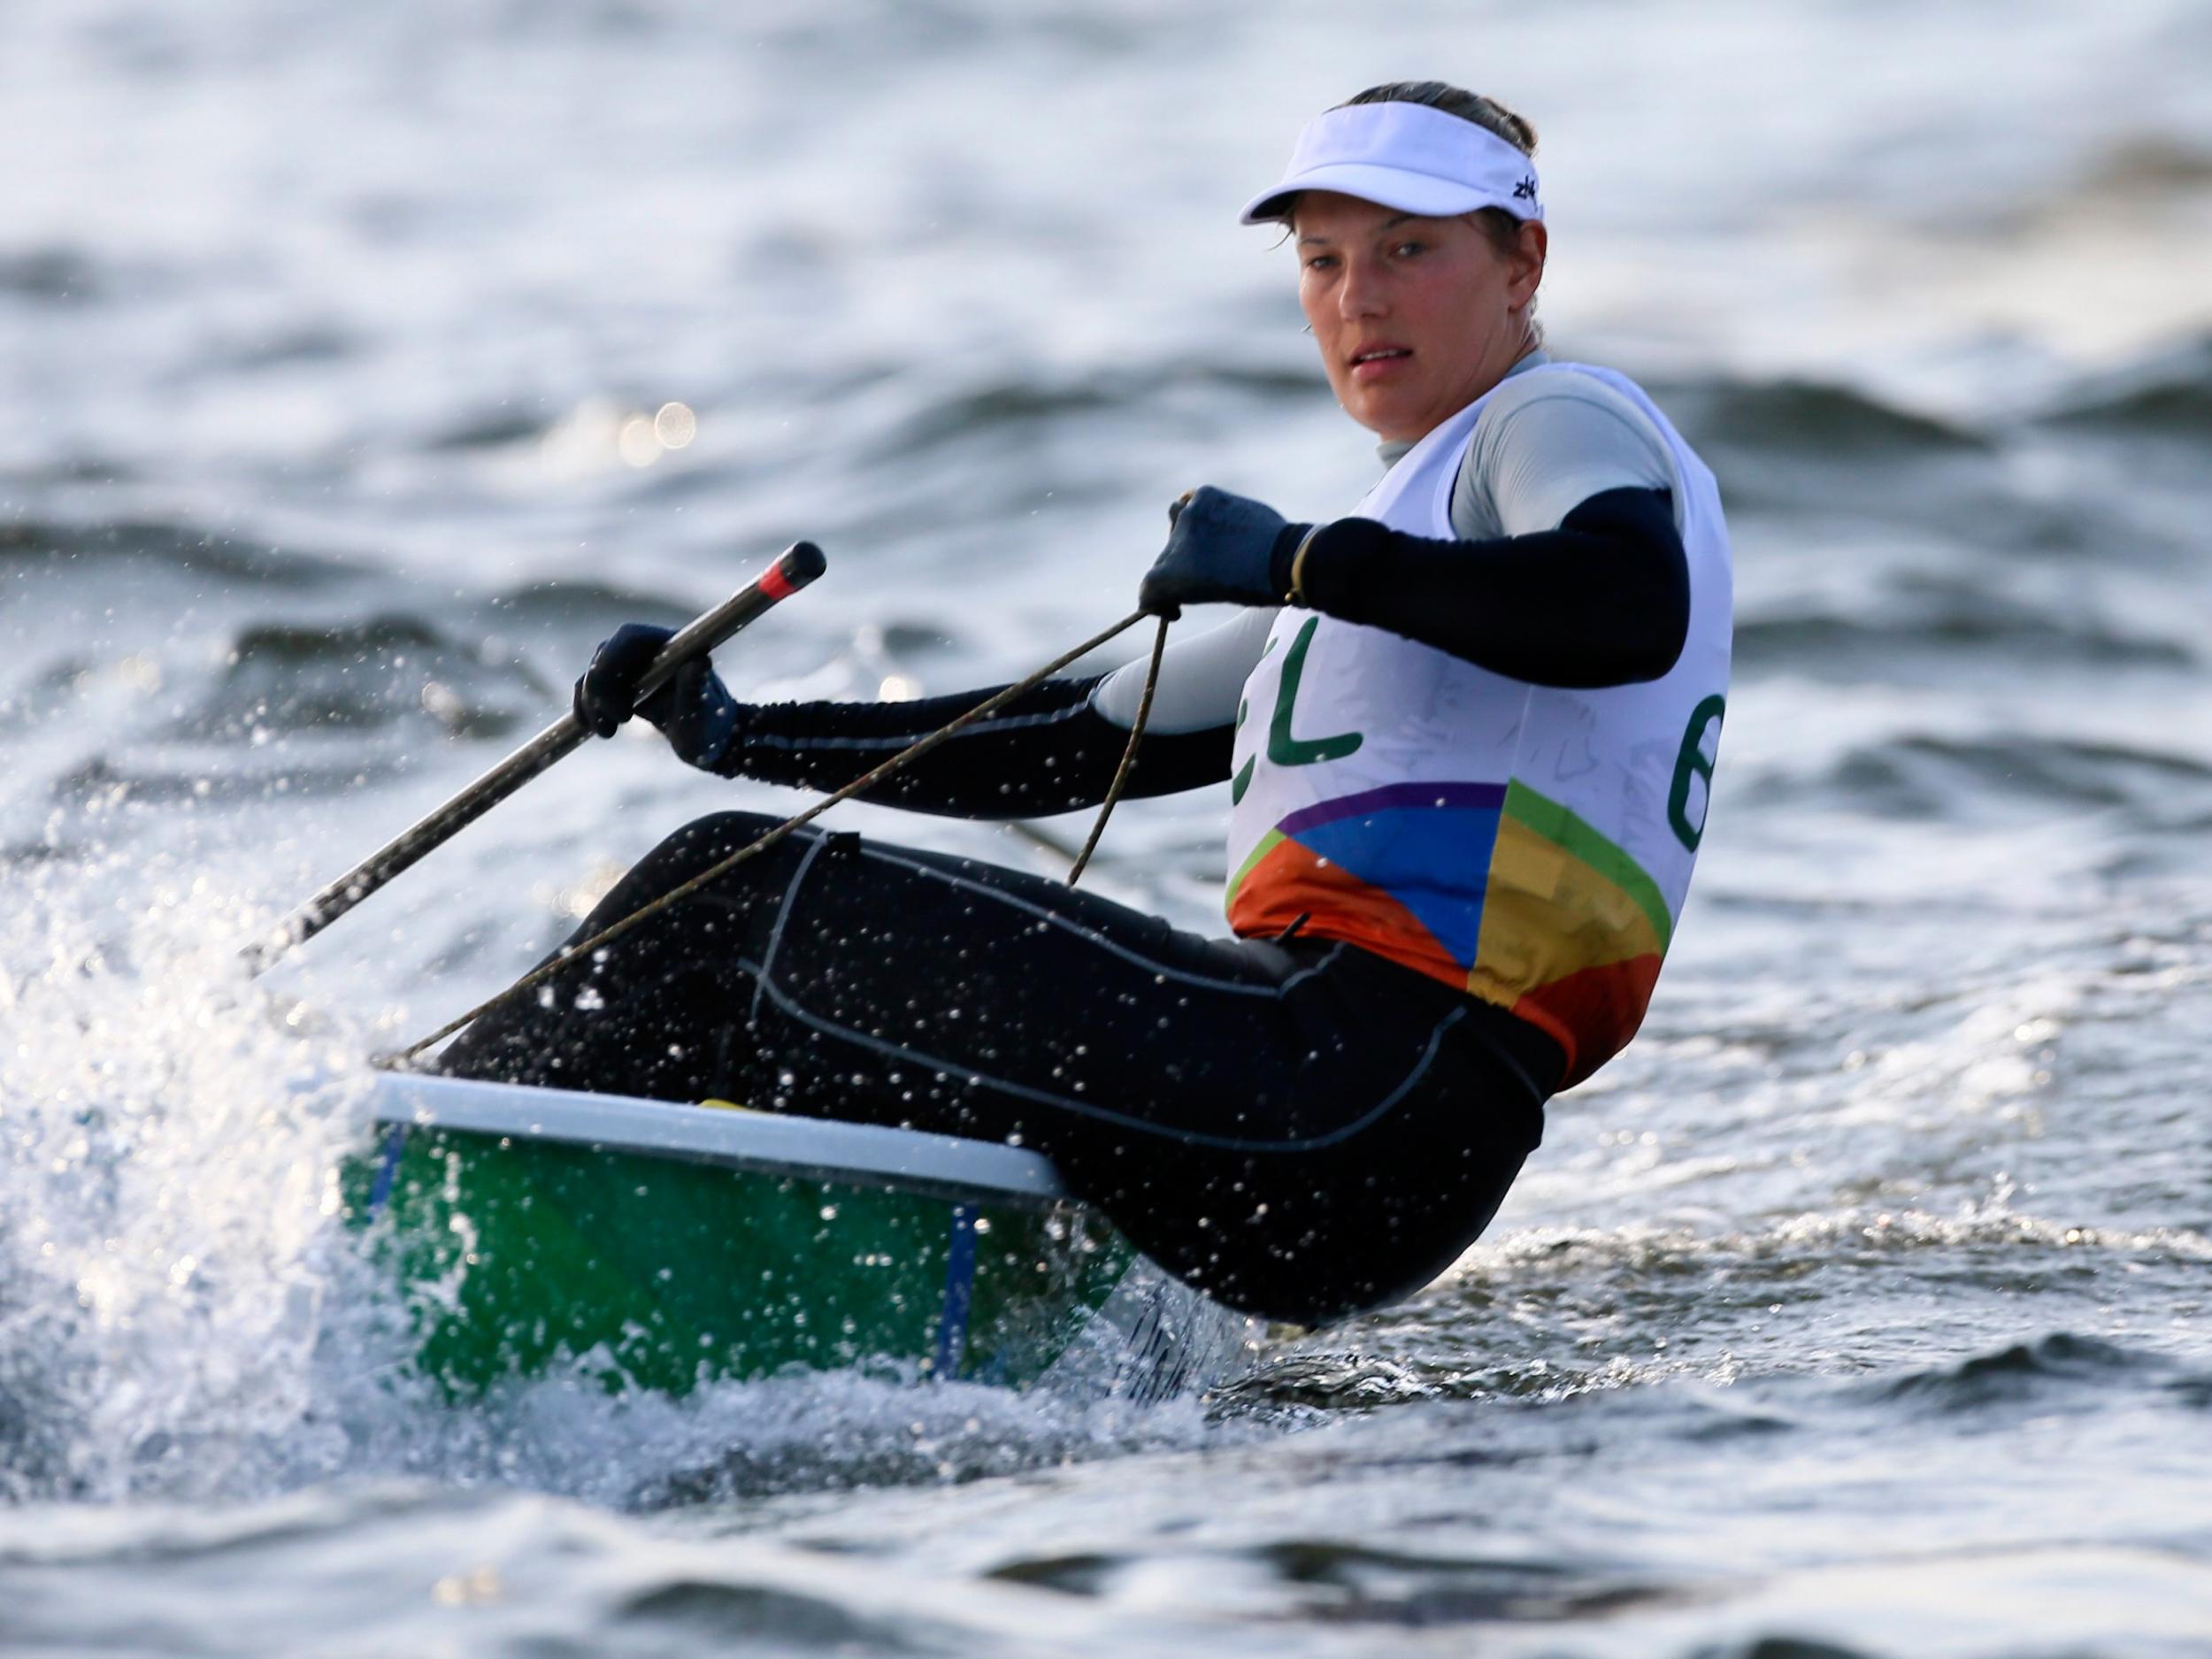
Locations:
1393 413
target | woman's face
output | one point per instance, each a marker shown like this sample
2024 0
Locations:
1415 317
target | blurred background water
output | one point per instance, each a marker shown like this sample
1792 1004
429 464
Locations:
365 364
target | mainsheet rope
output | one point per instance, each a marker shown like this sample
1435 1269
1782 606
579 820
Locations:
906 756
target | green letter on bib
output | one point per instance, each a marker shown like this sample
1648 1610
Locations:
1242 781
1693 761
1282 748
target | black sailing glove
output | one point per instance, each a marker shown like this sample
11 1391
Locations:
693 711
1221 548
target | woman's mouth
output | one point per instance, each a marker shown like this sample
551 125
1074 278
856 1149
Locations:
1374 362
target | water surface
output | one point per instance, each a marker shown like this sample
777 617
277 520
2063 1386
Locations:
1857 1310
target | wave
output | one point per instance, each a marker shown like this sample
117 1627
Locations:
102 782
176 543
1652 1318
1822 418
312 343
586 601
73 469
1016 406
1846 1238
1962 623
357 676
1549 1314
2168 396
49 274
1363 1584
495 429
2151 162
2021 1372
1937 777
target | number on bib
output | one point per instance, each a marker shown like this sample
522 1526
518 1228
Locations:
1693 761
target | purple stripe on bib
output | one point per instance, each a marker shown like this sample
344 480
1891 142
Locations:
1394 796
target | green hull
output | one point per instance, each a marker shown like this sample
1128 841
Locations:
522 1253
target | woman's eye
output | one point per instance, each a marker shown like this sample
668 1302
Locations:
1407 250
1320 261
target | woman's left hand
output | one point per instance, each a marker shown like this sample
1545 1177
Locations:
1221 550
693 709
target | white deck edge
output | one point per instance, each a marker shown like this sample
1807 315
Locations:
808 1149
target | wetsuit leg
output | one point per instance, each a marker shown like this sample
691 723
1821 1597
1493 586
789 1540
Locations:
1302 1129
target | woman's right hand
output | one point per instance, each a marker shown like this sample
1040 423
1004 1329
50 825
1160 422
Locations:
693 711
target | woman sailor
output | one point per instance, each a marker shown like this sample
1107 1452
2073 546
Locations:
1468 731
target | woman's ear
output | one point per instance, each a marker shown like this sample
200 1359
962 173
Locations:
1528 262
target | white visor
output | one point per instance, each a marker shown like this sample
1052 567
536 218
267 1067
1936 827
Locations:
1406 156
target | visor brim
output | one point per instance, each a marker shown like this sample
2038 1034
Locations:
1386 187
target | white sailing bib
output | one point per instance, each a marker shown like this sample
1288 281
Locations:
1531 844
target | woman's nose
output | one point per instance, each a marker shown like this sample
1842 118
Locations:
1361 293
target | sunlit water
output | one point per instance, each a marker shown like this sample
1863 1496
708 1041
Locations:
1857 1308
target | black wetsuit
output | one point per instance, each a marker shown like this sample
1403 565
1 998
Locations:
1300 1127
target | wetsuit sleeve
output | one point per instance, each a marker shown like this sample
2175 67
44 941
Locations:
1603 600
1052 750
1566 567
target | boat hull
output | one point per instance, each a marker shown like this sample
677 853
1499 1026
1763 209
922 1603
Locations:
652 1246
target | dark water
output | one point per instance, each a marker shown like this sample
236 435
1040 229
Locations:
1859 1309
